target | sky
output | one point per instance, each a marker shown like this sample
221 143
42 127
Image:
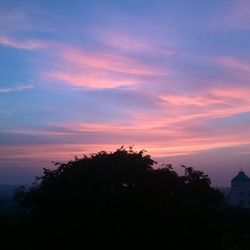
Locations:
168 76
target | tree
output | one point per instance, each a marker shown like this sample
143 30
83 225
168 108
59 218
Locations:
112 196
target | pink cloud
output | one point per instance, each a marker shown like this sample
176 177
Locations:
90 79
50 152
160 133
214 102
236 64
179 132
158 142
110 62
101 70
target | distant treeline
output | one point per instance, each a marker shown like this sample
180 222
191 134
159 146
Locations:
117 200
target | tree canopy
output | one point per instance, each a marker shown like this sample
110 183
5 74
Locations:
111 196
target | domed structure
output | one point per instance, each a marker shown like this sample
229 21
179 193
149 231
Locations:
239 194
240 177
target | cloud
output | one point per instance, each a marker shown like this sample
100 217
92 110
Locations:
161 133
209 104
91 79
50 152
26 45
101 70
5 90
234 64
127 43
150 79
16 88
110 62
173 123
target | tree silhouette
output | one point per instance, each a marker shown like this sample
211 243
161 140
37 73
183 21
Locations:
118 197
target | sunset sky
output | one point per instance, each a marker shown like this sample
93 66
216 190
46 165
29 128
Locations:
168 76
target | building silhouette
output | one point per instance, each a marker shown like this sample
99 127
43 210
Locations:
239 194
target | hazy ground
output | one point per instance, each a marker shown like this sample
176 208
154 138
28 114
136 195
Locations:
7 204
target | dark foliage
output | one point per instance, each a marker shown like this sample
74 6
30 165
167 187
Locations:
118 200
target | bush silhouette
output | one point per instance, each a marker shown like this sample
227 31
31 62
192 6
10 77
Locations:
118 197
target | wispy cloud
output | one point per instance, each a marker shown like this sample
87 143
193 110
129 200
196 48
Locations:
26 44
16 88
165 77
234 64
67 140
5 90
102 70
110 62
91 79
127 43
